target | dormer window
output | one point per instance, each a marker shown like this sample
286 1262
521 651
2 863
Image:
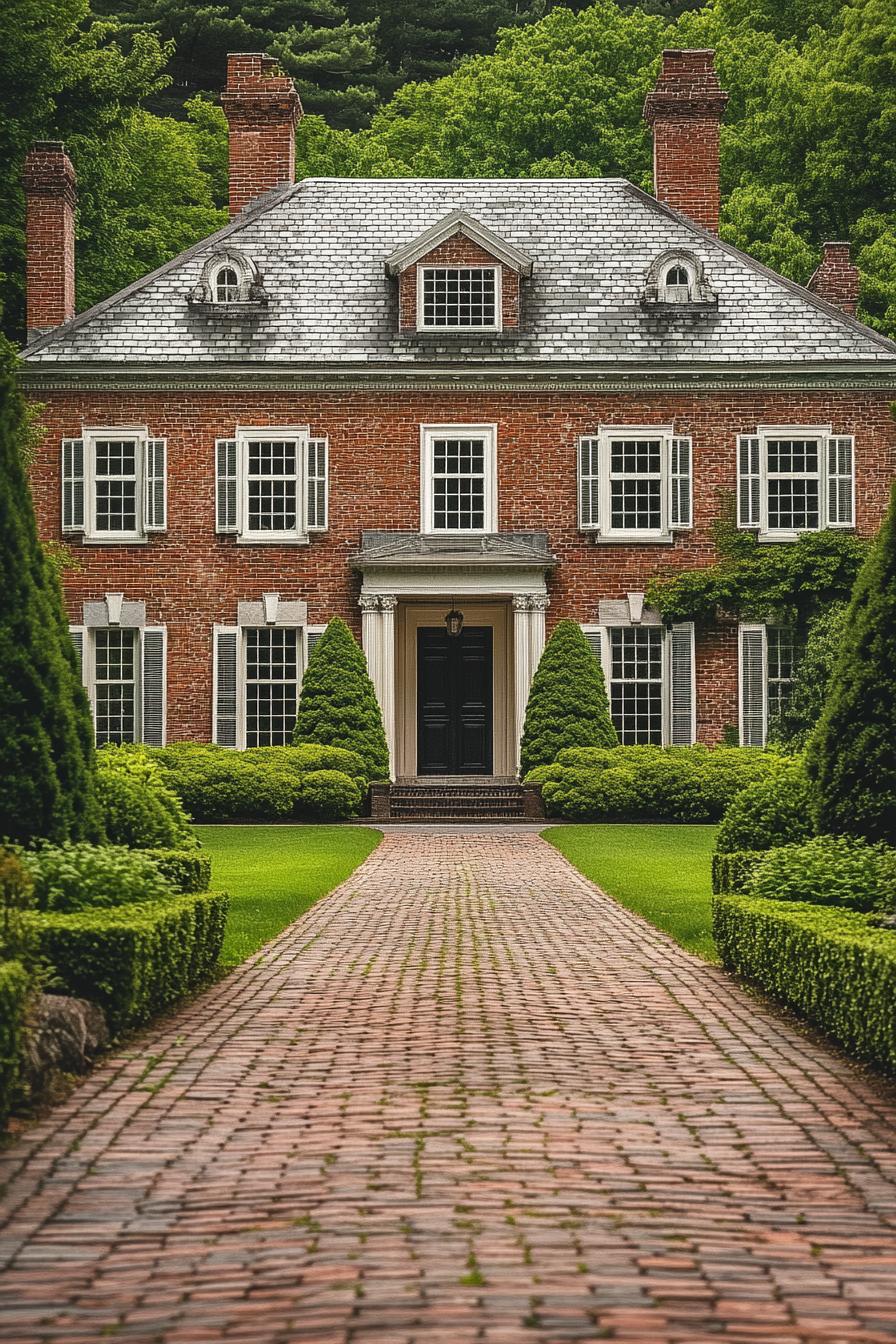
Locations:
226 285
229 280
677 284
459 297
677 278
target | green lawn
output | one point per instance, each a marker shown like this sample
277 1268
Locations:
660 872
276 873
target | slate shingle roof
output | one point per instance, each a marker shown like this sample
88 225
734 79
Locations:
321 247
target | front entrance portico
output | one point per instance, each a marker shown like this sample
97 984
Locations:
410 583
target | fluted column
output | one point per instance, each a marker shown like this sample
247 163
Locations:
528 645
378 640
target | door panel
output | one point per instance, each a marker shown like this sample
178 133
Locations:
454 701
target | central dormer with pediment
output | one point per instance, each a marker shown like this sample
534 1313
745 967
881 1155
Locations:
459 275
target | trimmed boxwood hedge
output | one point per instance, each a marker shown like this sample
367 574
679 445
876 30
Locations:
186 870
14 987
135 960
732 872
834 967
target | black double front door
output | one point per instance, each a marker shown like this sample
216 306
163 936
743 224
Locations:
454 701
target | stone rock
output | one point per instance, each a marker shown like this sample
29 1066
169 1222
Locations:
65 1035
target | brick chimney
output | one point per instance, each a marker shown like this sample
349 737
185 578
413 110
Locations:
685 111
49 181
262 110
836 278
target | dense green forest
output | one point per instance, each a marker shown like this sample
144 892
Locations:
468 88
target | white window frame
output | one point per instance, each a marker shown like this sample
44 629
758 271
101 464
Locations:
671 293
765 433
606 663
298 434
242 680
114 433
496 266
489 435
604 531
762 629
88 635
226 265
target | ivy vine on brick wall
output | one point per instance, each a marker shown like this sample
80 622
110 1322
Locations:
759 581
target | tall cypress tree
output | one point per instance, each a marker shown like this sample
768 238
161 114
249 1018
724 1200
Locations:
338 705
46 733
852 754
568 701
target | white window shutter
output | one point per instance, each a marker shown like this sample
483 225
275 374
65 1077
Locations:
153 688
225 485
73 485
753 698
592 634
226 685
155 485
841 481
312 635
681 506
589 483
79 638
749 482
683 690
318 453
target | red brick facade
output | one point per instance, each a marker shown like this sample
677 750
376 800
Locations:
457 251
49 181
191 578
685 111
262 110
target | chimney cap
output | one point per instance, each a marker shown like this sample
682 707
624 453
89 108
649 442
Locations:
688 86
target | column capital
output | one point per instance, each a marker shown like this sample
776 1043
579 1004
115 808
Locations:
539 602
388 601
522 601
369 602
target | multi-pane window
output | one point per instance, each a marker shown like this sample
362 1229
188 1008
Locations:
794 485
793 480
116 490
458 467
636 485
458 485
227 285
636 684
115 696
459 296
272 686
272 485
782 655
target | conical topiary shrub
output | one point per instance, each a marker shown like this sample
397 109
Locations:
851 756
338 706
568 701
46 732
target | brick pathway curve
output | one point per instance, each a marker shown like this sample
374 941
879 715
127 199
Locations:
465 1098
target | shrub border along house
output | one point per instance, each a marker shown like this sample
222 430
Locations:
833 966
15 986
136 960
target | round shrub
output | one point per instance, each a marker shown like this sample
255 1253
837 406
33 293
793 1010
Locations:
330 795
224 786
143 773
581 794
132 815
773 811
81 877
540 774
829 870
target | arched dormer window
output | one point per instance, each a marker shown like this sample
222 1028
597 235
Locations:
677 283
229 279
677 277
226 285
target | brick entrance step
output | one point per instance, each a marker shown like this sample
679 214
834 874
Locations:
461 799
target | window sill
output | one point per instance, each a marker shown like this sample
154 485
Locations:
107 541
270 541
631 539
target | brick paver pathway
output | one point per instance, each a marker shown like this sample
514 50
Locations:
465 1098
